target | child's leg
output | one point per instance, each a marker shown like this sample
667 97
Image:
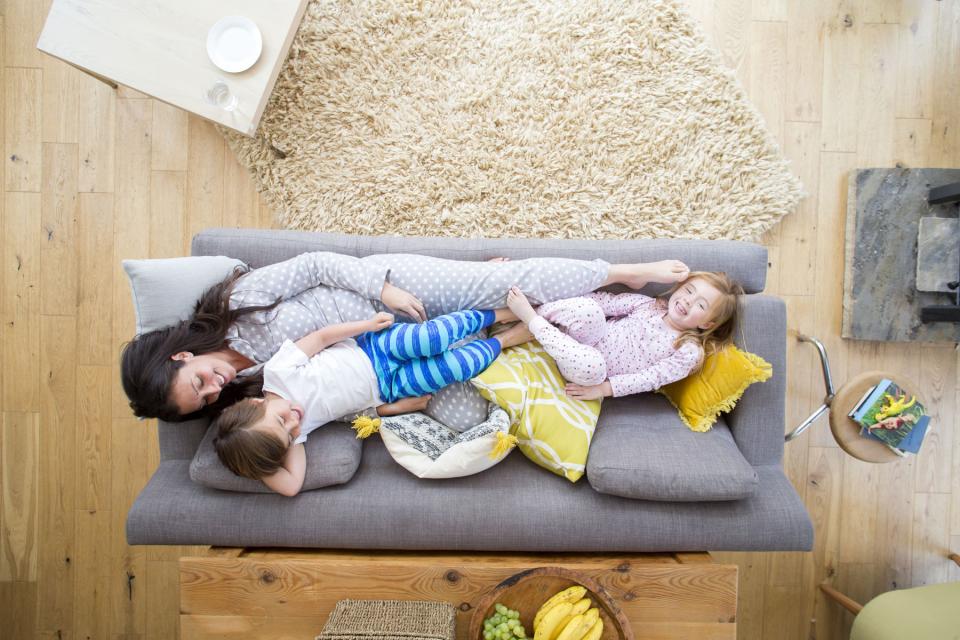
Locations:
580 318
406 341
425 375
579 363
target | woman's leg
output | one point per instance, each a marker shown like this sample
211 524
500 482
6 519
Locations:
450 285
444 286
420 376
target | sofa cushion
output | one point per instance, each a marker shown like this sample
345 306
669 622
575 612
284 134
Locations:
333 455
429 449
553 430
165 290
458 405
642 450
717 386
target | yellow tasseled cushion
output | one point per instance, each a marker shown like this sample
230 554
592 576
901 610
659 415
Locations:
552 430
717 387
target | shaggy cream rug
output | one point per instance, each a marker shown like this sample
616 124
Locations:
551 118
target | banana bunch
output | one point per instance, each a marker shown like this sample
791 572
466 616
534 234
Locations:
567 615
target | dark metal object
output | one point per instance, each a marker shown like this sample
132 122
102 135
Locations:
944 312
945 194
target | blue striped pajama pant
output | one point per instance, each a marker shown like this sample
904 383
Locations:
415 359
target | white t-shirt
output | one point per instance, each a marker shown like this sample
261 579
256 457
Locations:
336 382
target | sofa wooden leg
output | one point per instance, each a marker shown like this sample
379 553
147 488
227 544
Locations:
846 602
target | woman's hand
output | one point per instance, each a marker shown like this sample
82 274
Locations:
593 392
380 321
404 405
403 301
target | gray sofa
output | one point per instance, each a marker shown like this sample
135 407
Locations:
722 490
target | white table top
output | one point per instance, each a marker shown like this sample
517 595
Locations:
158 47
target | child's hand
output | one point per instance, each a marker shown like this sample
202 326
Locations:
381 321
593 392
404 405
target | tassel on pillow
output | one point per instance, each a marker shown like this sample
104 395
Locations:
365 426
505 442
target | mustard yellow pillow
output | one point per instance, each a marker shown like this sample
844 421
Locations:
554 431
717 387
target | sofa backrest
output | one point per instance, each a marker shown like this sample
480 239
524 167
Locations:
746 262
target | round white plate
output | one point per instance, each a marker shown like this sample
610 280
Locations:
234 43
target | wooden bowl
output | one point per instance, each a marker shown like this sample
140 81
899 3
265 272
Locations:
527 590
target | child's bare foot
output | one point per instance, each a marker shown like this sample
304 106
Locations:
517 334
520 306
667 271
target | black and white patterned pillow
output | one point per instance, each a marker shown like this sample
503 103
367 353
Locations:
416 441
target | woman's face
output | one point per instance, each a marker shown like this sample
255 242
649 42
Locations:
199 381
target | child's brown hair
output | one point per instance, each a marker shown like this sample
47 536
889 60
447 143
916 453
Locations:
724 316
246 451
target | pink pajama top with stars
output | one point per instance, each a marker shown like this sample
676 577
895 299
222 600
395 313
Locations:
620 337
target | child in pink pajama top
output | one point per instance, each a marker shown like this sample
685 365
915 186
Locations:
615 345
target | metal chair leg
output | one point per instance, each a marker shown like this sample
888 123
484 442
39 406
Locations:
827 383
806 423
824 363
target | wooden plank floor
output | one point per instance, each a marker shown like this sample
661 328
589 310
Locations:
91 176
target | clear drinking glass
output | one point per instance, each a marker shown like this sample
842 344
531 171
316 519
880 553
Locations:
219 95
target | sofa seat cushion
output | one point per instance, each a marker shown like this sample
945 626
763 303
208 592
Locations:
333 455
642 450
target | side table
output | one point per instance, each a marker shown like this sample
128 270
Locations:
158 47
845 431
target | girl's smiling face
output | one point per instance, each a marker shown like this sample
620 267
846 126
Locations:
281 418
692 305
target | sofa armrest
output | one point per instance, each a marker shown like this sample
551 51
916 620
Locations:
757 422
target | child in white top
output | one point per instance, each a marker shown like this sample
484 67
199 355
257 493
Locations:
328 375
615 345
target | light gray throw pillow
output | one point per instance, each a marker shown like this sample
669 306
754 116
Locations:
165 290
333 456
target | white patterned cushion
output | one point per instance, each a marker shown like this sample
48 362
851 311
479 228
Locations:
428 449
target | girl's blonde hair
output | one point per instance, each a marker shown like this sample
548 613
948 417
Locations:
724 316
246 451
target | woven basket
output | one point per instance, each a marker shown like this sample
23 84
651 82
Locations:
387 619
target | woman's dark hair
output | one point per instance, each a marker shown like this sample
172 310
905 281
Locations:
147 370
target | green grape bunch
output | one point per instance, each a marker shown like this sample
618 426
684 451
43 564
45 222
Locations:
504 624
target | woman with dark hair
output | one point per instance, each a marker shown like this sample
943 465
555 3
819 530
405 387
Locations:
214 357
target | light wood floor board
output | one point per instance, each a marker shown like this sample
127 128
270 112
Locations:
92 176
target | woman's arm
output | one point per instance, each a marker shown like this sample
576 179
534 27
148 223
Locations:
288 480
